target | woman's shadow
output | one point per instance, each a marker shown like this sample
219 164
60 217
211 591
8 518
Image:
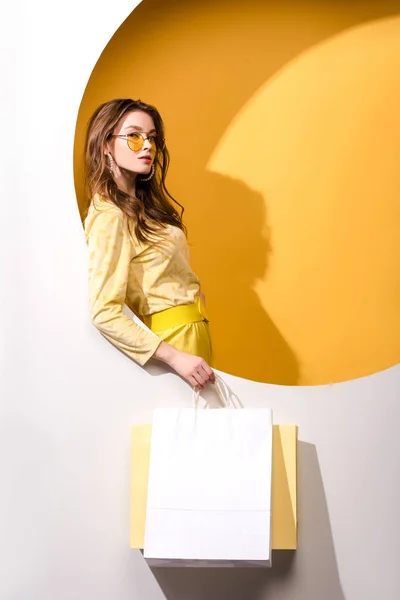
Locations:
231 246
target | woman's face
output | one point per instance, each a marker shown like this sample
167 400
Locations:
139 159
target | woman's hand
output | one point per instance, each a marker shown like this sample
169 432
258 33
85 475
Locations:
193 369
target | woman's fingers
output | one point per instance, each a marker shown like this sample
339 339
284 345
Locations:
200 379
193 383
208 372
203 375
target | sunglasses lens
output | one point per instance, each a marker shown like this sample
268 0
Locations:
135 142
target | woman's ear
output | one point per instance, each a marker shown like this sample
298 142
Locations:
107 145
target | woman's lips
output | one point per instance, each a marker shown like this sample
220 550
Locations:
146 159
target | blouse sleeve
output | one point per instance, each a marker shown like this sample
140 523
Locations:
110 252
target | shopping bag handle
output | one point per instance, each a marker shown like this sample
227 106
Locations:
224 392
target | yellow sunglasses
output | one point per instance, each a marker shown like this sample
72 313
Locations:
135 140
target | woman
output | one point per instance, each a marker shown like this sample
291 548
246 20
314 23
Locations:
138 253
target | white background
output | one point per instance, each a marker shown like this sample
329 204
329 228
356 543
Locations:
68 398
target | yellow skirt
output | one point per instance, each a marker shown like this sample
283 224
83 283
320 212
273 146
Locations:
184 327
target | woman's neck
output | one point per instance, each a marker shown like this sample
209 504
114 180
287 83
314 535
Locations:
126 182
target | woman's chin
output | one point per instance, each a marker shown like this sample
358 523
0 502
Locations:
141 170
144 169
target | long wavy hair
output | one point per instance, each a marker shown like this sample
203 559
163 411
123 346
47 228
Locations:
152 207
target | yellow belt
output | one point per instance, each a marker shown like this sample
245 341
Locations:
176 316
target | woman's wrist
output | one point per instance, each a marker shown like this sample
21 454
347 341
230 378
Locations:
165 352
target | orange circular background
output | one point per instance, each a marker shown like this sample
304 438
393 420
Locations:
284 134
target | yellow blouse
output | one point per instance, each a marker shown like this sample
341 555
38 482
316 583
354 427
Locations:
147 277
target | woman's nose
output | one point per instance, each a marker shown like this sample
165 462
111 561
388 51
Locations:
146 144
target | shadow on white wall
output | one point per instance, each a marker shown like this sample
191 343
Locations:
315 558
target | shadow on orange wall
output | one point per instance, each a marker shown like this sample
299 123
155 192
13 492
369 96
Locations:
233 242
200 63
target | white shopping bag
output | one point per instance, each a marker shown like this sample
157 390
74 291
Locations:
209 491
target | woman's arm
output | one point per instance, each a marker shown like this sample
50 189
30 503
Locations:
110 254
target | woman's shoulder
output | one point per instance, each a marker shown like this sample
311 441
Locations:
100 205
102 214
